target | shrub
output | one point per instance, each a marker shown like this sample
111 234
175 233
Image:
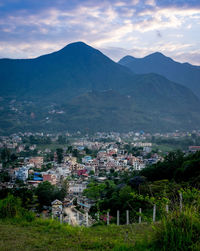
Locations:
179 231
10 207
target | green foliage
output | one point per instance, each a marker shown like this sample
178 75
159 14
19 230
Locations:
43 234
59 152
4 176
94 190
11 207
38 140
47 193
179 231
175 167
61 139
5 155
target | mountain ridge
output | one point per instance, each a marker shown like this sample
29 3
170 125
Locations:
79 87
182 73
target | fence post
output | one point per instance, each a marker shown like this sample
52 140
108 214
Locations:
154 212
77 217
167 208
61 218
127 217
117 217
98 216
87 219
181 202
140 211
69 220
108 218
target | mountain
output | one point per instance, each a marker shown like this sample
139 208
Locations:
186 74
79 88
73 70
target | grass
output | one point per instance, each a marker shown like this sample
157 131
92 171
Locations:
51 236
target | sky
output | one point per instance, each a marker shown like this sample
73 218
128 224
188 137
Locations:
30 28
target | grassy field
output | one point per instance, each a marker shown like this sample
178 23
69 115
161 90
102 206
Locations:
49 235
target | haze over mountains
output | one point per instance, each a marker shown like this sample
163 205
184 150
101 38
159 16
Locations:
183 73
79 88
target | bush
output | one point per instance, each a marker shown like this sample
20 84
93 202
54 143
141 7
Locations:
179 231
10 207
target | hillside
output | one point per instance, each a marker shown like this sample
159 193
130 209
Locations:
42 236
183 73
79 88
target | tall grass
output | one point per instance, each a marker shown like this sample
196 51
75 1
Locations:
11 208
179 231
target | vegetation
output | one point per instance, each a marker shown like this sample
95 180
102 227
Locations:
178 230
176 167
159 184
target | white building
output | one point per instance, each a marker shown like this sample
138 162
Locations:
77 187
22 173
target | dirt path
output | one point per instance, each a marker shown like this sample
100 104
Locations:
69 211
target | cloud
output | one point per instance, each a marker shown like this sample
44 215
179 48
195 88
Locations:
126 24
158 33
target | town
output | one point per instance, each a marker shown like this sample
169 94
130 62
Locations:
76 160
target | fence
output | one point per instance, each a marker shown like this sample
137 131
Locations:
88 221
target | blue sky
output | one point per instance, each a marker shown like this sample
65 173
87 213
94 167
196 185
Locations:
29 28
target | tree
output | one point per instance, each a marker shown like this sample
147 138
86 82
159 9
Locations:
59 152
5 155
69 149
61 140
47 193
13 157
75 153
4 177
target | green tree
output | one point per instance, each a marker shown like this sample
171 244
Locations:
47 193
4 177
61 140
59 152
5 155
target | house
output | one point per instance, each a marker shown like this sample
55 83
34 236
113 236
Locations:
77 187
22 173
194 148
50 177
36 161
86 159
85 203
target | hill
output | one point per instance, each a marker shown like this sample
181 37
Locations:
183 73
47 235
79 88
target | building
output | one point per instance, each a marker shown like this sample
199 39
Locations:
77 187
194 148
50 178
22 173
36 161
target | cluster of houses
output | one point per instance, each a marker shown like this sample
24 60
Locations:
110 156
31 171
